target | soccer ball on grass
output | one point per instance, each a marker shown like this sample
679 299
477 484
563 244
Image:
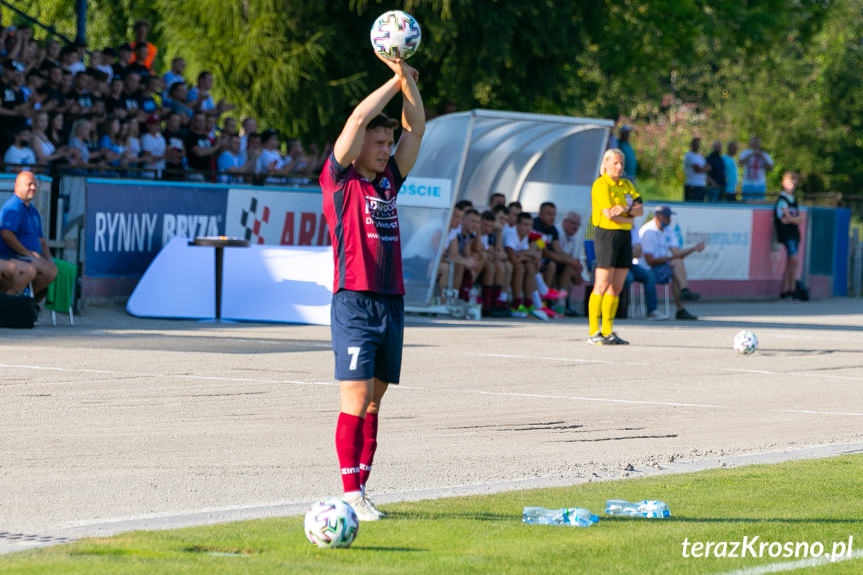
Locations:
331 523
745 342
395 34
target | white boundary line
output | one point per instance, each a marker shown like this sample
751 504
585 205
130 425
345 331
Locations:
406 387
794 565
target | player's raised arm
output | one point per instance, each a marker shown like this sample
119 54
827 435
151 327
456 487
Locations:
350 141
413 116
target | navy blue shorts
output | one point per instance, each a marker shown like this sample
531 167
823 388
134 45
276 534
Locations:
792 246
367 331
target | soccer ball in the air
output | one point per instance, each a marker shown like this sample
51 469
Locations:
395 34
745 342
331 523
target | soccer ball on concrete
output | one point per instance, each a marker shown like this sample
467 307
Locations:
395 34
745 342
331 523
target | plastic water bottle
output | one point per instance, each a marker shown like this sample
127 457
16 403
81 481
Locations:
647 508
575 516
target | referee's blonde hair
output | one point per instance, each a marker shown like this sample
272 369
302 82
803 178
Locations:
605 157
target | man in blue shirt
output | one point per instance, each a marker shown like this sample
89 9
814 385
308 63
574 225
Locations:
21 232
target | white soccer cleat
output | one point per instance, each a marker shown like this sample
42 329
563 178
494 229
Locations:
364 511
371 505
657 316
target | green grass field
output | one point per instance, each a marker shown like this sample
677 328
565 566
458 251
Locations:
809 501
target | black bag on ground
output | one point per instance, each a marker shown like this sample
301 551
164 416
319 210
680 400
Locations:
17 311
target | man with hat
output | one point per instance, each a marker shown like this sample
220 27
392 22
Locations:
664 256
153 146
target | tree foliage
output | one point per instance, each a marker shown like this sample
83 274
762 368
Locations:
785 69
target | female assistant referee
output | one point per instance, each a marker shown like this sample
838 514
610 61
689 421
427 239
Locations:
616 204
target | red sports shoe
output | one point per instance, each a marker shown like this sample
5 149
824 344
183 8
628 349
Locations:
554 294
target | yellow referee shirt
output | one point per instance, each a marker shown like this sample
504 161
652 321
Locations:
607 193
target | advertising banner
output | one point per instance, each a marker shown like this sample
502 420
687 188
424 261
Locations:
277 218
727 233
129 222
426 193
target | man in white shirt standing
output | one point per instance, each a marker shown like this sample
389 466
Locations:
661 252
695 169
756 163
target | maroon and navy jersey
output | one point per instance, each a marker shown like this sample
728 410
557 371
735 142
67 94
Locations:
364 228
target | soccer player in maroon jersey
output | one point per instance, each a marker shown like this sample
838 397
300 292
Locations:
360 181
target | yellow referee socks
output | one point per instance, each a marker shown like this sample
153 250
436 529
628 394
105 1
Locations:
609 310
594 307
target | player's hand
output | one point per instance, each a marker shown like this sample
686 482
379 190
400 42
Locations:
699 247
616 210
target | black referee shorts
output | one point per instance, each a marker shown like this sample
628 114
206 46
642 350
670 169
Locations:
613 248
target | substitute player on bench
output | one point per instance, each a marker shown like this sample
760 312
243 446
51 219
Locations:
360 181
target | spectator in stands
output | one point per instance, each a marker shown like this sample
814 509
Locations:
201 150
15 275
494 270
81 140
20 153
665 258
52 52
124 57
153 147
250 126
730 194
716 175
177 95
229 127
141 29
57 132
115 103
570 277
175 74
786 222
525 264
199 97
44 147
232 168
22 236
132 96
149 94
175 151
14 108
70 61
106 62
53 90
81 100
136 65
110 143
271 162
131 141
695 170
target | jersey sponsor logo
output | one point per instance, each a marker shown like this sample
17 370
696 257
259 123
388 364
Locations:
380 209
